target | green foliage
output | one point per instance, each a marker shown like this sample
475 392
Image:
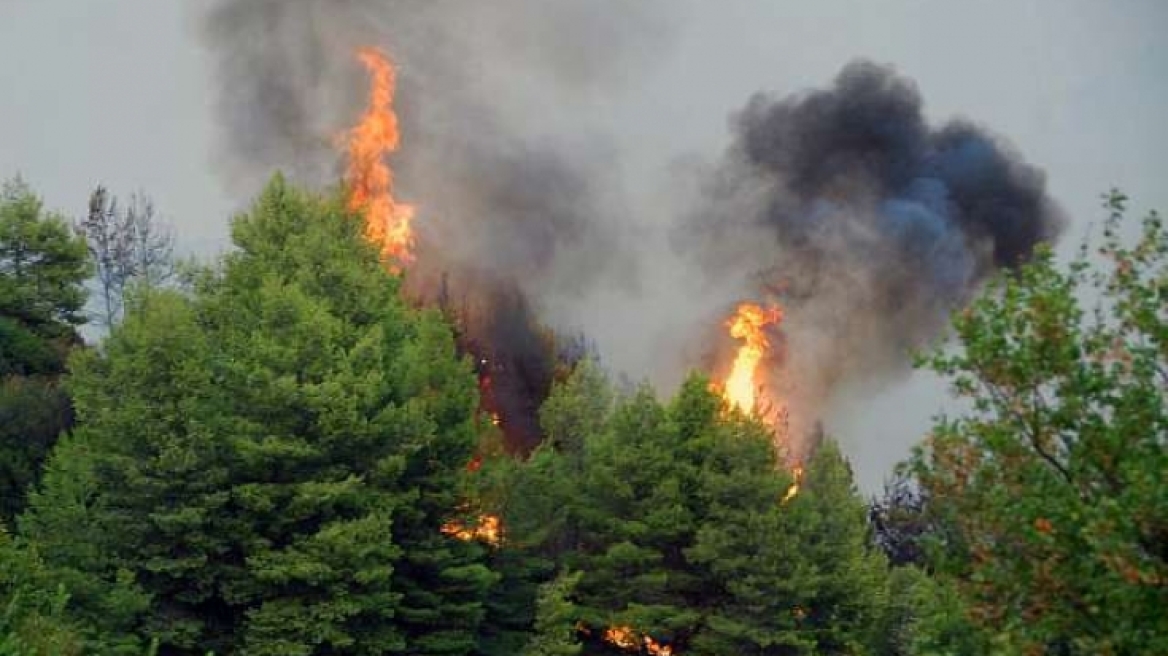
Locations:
33 412
269 461
68 523
674 519
1053 482
555 618
42 268
32 612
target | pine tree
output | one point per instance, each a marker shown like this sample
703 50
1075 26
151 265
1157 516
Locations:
684 532
42 270
555 631
272 458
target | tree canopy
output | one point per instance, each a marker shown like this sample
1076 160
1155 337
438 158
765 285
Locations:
43 266
286 456
1053 483
685 530
271 457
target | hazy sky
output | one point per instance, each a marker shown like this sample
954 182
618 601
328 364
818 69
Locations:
118 92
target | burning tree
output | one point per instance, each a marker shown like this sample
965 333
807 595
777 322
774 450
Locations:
370 179
679 518
749 324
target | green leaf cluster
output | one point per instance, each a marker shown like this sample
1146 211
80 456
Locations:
1053 483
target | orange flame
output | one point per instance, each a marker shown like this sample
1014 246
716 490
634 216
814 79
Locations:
489 529
749 323
627 639
387 222
621 636
793 490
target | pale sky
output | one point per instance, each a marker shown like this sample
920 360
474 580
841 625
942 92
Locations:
119 92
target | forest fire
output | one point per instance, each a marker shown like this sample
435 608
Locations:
487 528
793 490
388 222
749 323
370 179
628 639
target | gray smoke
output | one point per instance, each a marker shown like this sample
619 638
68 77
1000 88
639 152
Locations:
515 192
867 223
484 90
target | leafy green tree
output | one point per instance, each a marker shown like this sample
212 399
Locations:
270 460
1053 481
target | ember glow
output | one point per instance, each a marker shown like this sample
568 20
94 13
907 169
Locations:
370 179
749 324
793 490
627 639
488 529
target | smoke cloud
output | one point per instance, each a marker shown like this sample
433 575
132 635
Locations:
516 201
844 204
869 225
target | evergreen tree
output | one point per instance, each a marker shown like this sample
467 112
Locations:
73 539
272 458
32 612
683 531
555 617
34 410
637 518
848 573
42 269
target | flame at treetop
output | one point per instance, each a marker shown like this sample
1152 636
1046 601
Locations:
749 324
370 180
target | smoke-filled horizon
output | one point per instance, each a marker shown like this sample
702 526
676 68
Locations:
867 223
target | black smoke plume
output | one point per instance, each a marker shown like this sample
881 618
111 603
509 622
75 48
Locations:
868 223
